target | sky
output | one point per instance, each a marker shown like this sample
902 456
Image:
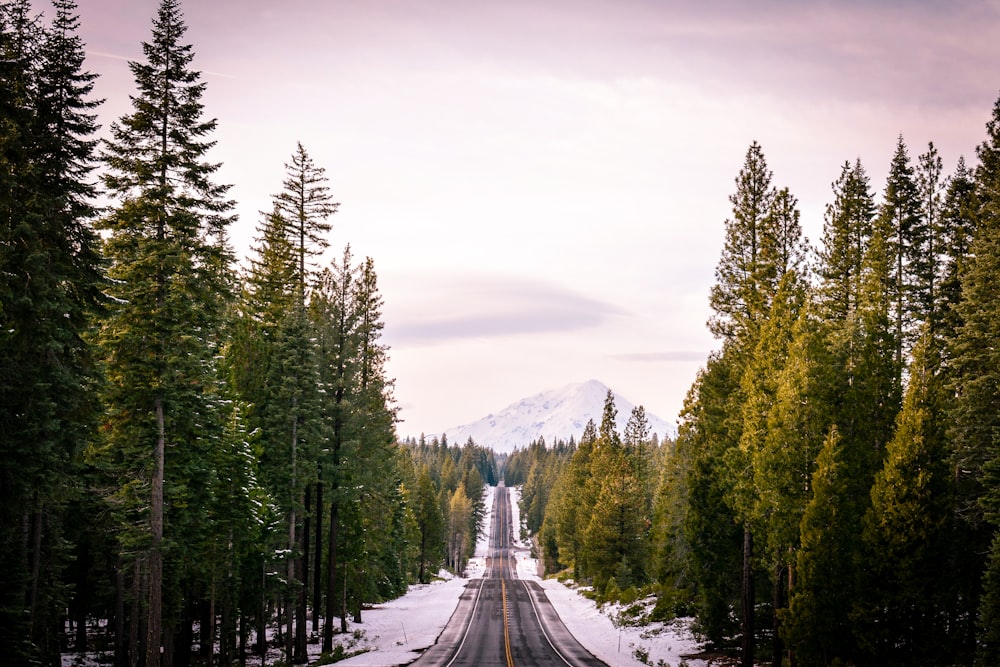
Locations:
543 185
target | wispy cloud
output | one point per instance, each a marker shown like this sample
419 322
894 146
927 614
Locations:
465 306
662 356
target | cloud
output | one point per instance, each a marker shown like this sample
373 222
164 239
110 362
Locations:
463 306
663 356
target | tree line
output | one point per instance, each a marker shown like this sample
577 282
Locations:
832 495
198 460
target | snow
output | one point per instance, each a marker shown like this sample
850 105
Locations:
558 413
424 611
396 632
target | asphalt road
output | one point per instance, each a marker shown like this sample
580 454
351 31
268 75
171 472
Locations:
502 621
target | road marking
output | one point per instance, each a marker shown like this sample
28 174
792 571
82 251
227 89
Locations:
506 625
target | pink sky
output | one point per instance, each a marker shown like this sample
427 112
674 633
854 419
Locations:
543 185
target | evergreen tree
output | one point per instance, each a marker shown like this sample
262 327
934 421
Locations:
712 532
574 509
903 619
737 296
615 539
959 215
929 249
430 524
899 223
50 285
818 622
976 384
166 239
305 204
847 229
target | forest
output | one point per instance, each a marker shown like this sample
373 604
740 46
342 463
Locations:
199 458
832 494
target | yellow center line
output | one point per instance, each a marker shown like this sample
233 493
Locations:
503 587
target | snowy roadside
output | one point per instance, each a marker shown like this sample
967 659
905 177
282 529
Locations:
595 629
396 632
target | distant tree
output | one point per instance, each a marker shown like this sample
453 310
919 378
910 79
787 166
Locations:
430 524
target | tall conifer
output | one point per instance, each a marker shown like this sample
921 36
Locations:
170 261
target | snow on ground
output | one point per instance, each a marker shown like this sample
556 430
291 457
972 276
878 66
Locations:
397 631
596 629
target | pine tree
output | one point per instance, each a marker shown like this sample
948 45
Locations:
763 245
50 285
711 530
738 297
959 216
576 503
847 229
930 251
615 537
976 383
430 523
305 204
819 609
898 222
904 617
170 264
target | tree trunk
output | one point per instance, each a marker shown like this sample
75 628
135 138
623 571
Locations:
778 603
121 648
290 590
343 602
331 580
302 565
36 568
748 600
262 616
791 589
135 617
318 562
154 629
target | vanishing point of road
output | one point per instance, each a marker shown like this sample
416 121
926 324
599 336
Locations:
503 621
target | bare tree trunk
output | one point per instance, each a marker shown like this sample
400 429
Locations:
302 565
36 566
262 615
135 628
290 595
791 590
343 603
778 603
154 630
121 647
748 599
318 562
331 580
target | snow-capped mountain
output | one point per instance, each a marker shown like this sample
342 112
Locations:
559 413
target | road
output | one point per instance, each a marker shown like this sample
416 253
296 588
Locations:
503 621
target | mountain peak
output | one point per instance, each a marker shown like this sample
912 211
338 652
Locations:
554 414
